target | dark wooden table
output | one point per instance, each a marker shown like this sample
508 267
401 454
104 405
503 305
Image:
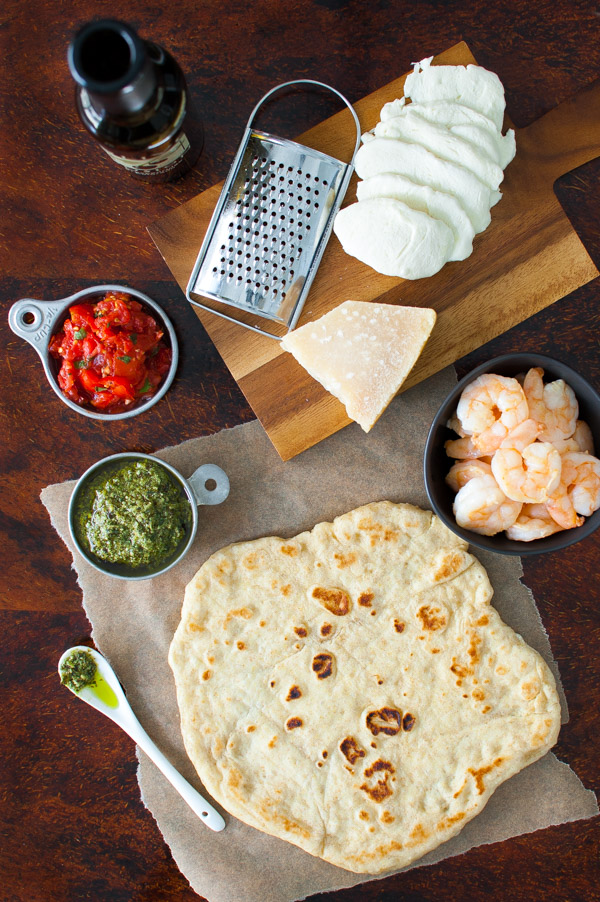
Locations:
72 823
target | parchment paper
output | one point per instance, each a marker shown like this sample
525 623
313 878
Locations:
133 623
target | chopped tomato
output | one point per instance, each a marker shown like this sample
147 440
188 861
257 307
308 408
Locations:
112 353
89 380
82 315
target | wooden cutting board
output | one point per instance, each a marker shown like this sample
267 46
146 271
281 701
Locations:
528 258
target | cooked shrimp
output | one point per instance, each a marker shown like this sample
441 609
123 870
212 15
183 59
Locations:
454 423
534 522
581 440
529 476
489 408
462 448
560 507
582 480
583 436
463 470
553 405
522 435
482 507
563 445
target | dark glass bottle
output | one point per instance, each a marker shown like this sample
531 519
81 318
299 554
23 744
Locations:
131 96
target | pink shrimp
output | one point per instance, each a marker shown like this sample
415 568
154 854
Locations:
489 408
530 475
463 470
553 405
534 522
482 507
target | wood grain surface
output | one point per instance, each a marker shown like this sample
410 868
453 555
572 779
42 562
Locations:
528 258
72 825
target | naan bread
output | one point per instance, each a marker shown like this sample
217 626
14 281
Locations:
352 691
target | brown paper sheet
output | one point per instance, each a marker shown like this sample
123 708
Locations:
133 623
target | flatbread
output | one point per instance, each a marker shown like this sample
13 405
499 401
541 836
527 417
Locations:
352 691
362 352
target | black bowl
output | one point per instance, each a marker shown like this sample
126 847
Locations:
437 463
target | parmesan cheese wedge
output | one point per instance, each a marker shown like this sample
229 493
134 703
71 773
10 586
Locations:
361 352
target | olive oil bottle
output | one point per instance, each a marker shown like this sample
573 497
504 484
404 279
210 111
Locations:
131 96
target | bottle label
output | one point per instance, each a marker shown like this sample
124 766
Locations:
159 163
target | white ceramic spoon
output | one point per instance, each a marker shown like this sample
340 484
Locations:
107 696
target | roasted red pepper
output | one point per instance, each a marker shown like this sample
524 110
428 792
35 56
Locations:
112 353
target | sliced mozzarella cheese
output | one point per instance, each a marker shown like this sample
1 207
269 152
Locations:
421 165
472 86
427 200
501 149
362 352
457 117
393 108
394 239
463 121
412 128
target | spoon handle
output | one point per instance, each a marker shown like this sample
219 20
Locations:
209 815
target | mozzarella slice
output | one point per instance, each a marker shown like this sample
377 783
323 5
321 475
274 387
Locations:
461 120
362 352
412 128
394 239
420 197
472 86
421 165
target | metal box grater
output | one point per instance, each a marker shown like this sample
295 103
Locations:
270 227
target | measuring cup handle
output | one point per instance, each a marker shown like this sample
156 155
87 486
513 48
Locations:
205 474
319 84
34 320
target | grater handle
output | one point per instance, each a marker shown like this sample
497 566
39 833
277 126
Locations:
319 84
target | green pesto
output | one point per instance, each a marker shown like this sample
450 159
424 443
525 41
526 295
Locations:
78 670
139 515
